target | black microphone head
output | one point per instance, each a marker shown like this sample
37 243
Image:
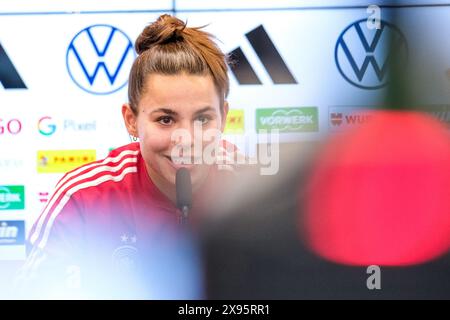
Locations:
184 188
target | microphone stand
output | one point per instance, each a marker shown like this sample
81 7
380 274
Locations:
184 213
184 194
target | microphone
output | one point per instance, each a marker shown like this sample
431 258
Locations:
184 193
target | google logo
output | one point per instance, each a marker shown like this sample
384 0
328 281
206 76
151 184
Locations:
46 127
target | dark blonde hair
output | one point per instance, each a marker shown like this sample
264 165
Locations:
167 46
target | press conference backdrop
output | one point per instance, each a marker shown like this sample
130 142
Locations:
307 68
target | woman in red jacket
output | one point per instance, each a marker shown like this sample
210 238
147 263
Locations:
111 215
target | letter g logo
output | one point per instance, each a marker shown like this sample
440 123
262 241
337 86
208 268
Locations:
46 127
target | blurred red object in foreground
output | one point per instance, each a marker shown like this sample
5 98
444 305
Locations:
381 194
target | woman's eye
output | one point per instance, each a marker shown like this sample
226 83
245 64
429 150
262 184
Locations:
202 119
165 120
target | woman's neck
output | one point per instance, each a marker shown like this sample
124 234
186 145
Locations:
166 188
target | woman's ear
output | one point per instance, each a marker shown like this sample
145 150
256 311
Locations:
129 119
224 115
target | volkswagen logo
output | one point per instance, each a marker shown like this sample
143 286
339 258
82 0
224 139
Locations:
363 56
99 59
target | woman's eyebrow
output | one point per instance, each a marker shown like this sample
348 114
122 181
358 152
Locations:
205 109
164 110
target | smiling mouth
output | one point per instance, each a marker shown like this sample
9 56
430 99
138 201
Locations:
184 162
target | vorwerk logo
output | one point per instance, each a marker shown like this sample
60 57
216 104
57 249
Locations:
99 58
9 77
302 119
359 47
267 54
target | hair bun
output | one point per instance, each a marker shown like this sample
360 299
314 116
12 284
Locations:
167 29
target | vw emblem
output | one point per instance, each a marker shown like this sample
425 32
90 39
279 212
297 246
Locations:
99 59
363 56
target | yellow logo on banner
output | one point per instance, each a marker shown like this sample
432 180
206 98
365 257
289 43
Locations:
61 161
235 121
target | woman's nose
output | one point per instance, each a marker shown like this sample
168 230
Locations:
186 133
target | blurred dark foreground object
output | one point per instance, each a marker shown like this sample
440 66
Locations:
255 249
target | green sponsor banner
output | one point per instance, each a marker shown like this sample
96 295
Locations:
301 119
12 197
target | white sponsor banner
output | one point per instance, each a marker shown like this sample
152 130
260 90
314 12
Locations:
74 76
95 6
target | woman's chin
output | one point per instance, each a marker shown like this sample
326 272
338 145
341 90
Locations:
198 172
